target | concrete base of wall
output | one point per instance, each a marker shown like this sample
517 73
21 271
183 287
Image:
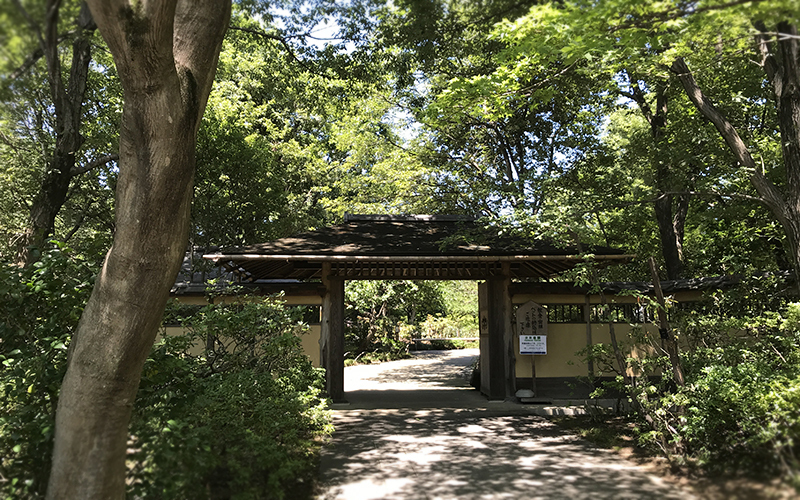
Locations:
563 387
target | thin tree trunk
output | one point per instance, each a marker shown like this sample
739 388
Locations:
67 107
669 344
670 225
670 238
622 364
166 54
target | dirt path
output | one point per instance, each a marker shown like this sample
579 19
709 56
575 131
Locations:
415 430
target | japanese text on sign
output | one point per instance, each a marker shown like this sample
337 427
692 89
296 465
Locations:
533 344
531 319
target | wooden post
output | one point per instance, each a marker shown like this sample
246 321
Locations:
508 332
332 339
502 379
483 315
496 347
587 318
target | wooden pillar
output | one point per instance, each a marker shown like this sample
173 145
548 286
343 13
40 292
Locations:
587 318
483 309
502 376
332 335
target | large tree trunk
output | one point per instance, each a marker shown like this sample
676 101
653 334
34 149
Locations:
781 62
166 53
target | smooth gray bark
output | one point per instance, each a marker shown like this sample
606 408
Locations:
166 54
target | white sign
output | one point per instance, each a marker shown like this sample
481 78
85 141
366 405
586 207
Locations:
533 344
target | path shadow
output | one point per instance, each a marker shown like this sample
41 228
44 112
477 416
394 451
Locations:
431 379
416 430
470 454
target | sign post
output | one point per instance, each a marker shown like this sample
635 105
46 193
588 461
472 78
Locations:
532 331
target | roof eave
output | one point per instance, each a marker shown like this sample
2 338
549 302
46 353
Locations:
408 258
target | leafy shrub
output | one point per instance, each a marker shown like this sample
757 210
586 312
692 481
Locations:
450 326
743 410
740 408
376 312
444 345
41 308
241 420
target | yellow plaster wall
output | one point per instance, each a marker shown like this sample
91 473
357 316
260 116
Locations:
564 340
309 340
196 349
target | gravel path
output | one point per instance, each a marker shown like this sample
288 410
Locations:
416 430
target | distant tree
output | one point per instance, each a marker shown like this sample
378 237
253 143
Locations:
65 159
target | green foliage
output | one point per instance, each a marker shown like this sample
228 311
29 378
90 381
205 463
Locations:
242 419
560 114
449 326
742 398
245 416
739 411
444 345
383 316
377 310
261 143
41 306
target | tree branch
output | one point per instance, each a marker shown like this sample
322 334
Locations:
768 62
770 194
196 63
97 162
37 54
638 97
282 40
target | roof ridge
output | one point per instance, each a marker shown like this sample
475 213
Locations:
406 218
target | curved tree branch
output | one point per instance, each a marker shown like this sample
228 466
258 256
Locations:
97 162
770 194
282 40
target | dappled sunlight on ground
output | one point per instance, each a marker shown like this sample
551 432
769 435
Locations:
448 454
436 439
429 370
